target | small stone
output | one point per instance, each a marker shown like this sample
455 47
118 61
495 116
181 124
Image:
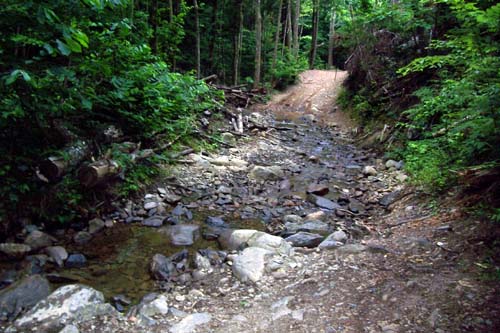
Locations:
38 240
96 225
318 189
154 221
76 260
322 202
70 329
150 205
14 250
369 171
215 221
58 254
82 237
189 323
304 239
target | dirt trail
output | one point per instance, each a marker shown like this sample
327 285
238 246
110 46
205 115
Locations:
406 266
315 94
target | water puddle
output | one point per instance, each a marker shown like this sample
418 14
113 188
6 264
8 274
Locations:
118 258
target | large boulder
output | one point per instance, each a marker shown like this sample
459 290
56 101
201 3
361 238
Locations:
182 234
250 264
266 173
61 307
235 239
22 296
271 243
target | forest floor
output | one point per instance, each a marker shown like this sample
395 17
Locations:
410 264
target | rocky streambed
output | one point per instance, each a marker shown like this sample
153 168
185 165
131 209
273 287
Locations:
298 184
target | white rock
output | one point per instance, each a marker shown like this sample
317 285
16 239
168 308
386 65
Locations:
189 323
250 264
271 243
61 306
369 171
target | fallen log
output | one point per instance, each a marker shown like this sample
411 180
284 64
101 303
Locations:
102 170
54 167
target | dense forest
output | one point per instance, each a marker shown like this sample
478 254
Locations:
98 88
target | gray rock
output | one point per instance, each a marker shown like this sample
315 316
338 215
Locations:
215 221
38 240
369 171
264 173
202 262
250 264
189 323
96 225
58 254
304 239
356 207
61 307
228 138
322 202
311 226
82 237
22 296
315 216
270 243
235 239
330 243
318 189
352 249
154 221
161 267
391 164
76 260
15 250
152 305
229 162
172 199
389 198
339 236
401 177
150 205
292 219
182 234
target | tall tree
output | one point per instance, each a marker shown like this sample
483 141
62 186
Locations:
296 18
258 44
197 24
314 39
238 40
331 38
289 24
213 36
277 37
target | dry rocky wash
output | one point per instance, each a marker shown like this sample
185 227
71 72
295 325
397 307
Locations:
345 245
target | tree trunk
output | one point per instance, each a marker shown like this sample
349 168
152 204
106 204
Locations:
296 28
314 41
289 25
258 44
277 37
154 23
102 170
197 23
213 36
237 46
331 39
54 167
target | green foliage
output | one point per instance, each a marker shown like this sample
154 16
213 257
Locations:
460 113
288 69
86 64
